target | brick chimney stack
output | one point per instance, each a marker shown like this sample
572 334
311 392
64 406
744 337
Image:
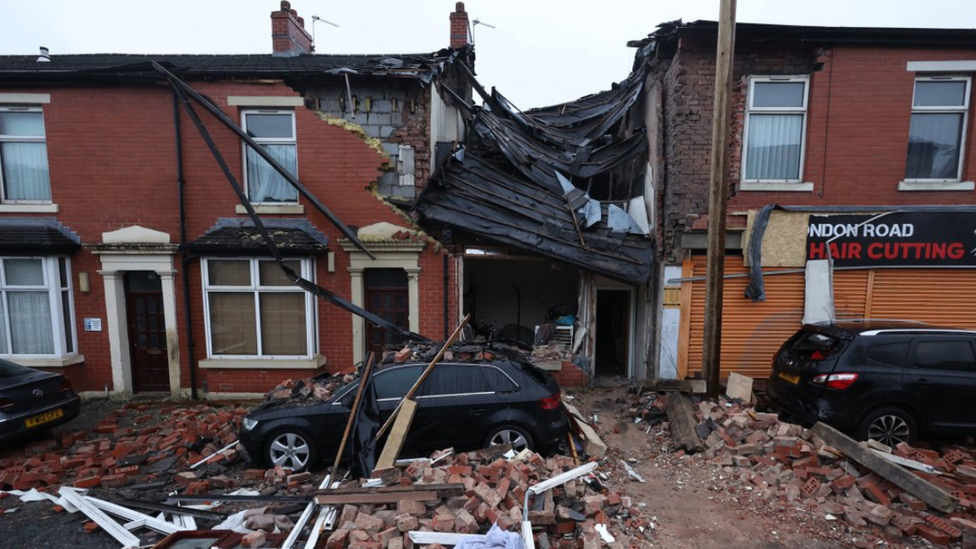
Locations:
288 34
460 30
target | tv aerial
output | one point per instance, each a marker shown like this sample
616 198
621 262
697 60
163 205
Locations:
316 19
477 22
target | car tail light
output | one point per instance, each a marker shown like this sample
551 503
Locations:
65 385
835 381
551 402
817 355
5 403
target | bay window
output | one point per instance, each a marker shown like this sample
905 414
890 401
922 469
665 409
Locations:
274 130
36 309
23 155
253 310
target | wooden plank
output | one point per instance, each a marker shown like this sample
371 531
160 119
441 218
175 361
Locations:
914 485
398 434
334 498
739 386
592 444
681 419
352 411
672 385
684 321
430 367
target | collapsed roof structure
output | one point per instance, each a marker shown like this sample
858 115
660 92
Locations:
565 181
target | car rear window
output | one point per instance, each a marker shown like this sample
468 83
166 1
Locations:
888 353
945 355
498 380
9 370
815 345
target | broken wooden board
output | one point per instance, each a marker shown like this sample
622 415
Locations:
335 498
672 385
914 485
739 387
592 444
398 434
442 490
681 419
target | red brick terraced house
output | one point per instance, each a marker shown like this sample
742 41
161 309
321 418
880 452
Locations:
854 145
128 263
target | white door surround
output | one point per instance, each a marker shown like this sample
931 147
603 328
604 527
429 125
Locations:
136 248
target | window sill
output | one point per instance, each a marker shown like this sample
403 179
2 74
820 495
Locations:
265 363
297 209
770 186
935 185
46 362
28 208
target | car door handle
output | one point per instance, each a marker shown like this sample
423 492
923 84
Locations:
923 381
477 411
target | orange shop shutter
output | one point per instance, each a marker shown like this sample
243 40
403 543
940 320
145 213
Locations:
751 332
944 297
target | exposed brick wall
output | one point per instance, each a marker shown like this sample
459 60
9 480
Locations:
854 155
113 164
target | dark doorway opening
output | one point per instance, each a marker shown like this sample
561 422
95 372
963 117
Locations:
147 332
386 296
612 333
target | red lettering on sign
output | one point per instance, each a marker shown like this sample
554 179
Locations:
956 250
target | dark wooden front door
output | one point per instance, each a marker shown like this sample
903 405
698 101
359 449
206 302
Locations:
147 332
386 297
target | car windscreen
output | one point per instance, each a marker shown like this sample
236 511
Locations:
814 345
9 370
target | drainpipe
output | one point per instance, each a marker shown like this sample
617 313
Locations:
181 185
446 284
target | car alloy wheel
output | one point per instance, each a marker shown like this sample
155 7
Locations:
889 430
510 436
290 450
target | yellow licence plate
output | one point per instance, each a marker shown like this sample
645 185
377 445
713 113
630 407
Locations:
792 378
44 418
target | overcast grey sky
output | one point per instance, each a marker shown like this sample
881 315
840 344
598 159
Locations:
539 53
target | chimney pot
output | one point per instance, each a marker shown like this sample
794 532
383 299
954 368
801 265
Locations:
45 56
285 5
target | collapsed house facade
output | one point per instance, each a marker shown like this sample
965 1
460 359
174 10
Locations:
854 145
130 264
547 212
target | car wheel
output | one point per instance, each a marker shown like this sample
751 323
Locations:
510 434
290 448
889 426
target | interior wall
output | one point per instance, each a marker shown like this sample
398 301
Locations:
489 295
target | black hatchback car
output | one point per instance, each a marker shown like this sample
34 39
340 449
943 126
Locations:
890 381
464 406
33 401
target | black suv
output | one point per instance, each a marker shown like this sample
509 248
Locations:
886 380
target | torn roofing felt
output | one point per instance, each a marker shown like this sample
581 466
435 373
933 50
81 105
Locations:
480 198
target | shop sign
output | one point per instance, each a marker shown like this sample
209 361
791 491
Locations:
908 239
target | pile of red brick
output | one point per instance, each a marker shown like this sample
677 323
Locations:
786 462
319 388
494 492
136 443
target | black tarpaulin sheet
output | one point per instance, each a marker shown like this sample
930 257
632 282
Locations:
475 196
362 443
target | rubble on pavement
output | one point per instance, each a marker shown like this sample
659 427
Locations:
766 460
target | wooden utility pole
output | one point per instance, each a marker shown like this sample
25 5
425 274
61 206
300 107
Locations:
717 193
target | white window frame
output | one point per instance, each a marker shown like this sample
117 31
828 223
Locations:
51 285
24 139
964 110
804 110
269 141
307 270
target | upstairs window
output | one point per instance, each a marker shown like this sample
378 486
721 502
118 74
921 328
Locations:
274 130
774 130
935 137
23 155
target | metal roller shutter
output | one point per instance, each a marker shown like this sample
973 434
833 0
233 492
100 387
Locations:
945 297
